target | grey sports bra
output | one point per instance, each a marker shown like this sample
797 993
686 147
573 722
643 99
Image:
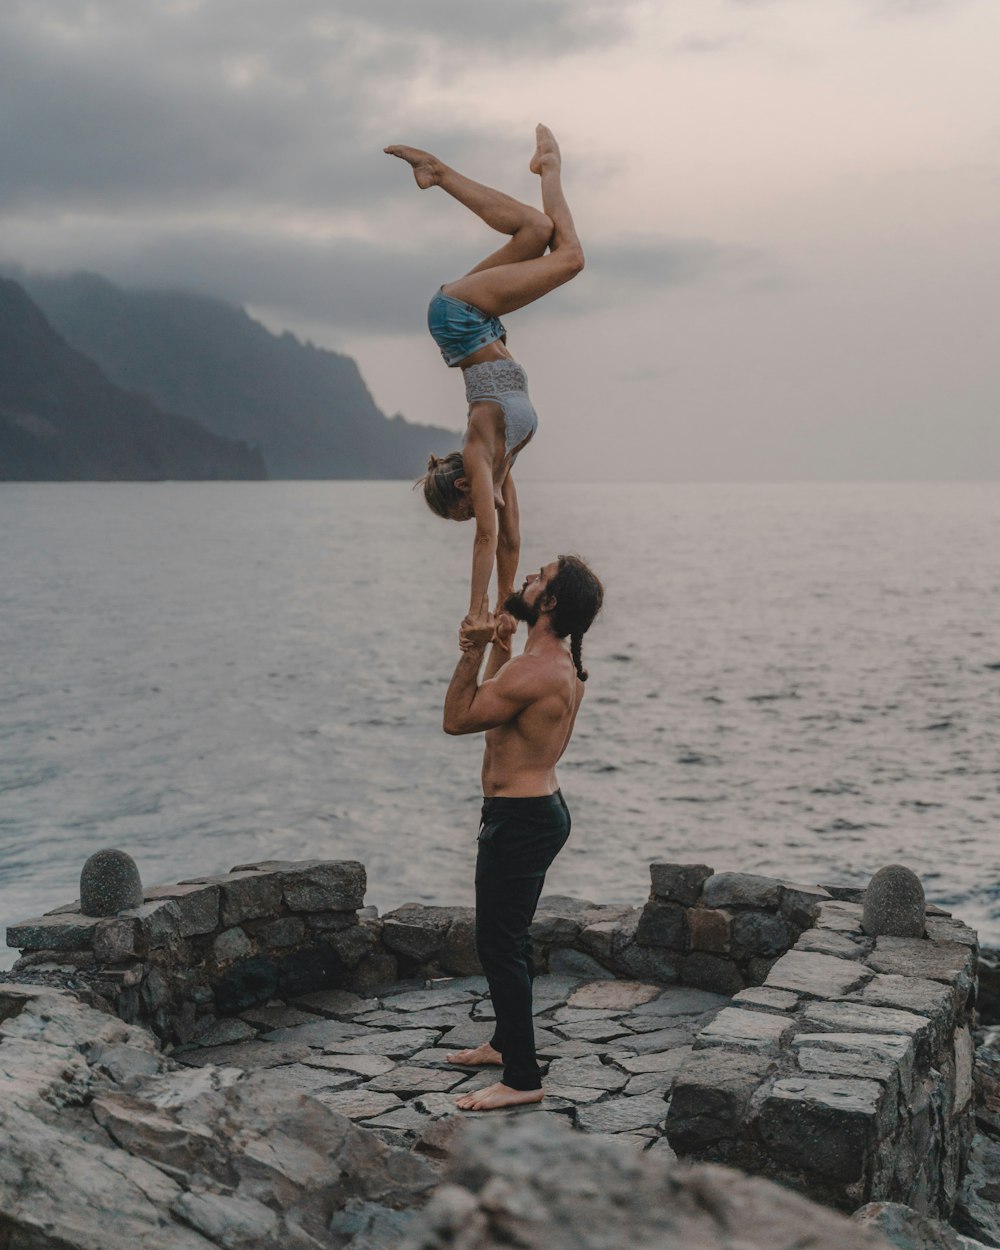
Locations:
505 383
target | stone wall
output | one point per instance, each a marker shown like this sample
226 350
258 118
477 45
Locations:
843 1066
205 947
849 1073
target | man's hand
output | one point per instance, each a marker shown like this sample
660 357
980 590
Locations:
476 631
504 627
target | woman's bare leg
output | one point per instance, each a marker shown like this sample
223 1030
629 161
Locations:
530 230
502 287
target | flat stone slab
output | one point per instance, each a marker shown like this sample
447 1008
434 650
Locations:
588 1072
840 1063
682 1001
765 998
741 889
576 1094
917 957
227 1031
408 1080
361 1104
816 976
664 1063
318 1033
917 994
894 1049
250 1056
336 1003
396 1045
425 1000
622 1115
305 1079
271 1018
435 1018
614 995
842 917
592 1030
857 1018
63 931
831 942
746 1030
364 1066
650 1043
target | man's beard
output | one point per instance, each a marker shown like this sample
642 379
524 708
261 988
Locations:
521 611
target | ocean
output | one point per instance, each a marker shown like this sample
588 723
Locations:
798 679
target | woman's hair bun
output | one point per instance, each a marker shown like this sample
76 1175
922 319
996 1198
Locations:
432 463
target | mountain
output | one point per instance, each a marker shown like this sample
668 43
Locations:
307 409
61 419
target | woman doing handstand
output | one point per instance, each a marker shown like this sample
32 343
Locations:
464 320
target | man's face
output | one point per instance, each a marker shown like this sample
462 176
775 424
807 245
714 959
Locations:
526 604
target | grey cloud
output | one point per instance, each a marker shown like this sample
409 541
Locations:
361 287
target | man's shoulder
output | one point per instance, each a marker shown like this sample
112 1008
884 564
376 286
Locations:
543 673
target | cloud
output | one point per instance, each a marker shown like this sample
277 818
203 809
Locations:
180 106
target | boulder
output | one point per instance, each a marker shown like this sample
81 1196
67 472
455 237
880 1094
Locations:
907 1229
678 883
532 1182
109 883
894 904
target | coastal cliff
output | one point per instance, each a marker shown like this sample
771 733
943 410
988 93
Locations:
62 419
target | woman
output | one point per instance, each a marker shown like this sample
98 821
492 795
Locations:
464 320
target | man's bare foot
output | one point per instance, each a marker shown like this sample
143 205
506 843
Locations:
495 1096
547 154
475 1057
427 169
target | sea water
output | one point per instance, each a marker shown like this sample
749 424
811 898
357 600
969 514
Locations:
801 680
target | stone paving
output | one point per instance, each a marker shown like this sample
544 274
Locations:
610 1051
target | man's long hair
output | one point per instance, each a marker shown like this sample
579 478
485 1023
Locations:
579 595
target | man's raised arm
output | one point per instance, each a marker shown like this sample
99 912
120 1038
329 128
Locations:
472 708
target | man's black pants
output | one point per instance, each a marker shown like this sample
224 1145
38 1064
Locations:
518 840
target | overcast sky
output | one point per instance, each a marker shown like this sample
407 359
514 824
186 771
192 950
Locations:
789 207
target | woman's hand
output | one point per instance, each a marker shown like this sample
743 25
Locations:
504 627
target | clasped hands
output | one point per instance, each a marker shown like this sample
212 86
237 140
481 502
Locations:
485 627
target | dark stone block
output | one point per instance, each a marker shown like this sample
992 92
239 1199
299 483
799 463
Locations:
710 929
712 972
247 982
307 972
377 970
248 896
64 932
711 1096
417 933
741 889
117 939
759 933
109 883
678 883
458 954
198 906
663 924
826 1125
285 931
331 921
799 903
352 945
335 885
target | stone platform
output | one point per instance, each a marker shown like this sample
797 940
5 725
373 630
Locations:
610 1051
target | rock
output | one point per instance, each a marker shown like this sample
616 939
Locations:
250 1055
857 1018
987 1083
907 1229
338 1003
406 1080
458 953
816 976
589 1073
361 1104
285 931
746 1030
710 929
977 1212
224 1032
64 931
647 963
375 971
572 963
826 1125
876 1051
988 999
800 903
764 998
951 962
710 972
231 944
527 1181
332 885
614 995
197 905
109 883
916 994
353 945
416 932
320 1033
711 1095
663 924
424 1000
682 1001
396 1045
678 883
248 896
759 933
741 889
622 1115
947 929
663 1063
118 939
830 942
894 904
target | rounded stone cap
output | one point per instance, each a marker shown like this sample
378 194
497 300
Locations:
109 883
894 904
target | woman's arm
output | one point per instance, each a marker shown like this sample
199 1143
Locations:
479 473
508 542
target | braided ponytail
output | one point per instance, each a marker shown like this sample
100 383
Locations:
576 651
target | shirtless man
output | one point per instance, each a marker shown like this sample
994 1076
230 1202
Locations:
527 707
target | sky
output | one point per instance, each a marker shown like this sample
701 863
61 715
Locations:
789 208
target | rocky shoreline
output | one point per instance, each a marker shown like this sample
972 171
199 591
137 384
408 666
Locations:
325 1117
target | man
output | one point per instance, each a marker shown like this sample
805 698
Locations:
527 707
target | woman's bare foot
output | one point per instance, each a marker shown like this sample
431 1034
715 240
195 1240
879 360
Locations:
475 1057
495 1096
547 152
427 169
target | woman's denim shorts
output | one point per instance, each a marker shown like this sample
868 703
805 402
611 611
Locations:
460 329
